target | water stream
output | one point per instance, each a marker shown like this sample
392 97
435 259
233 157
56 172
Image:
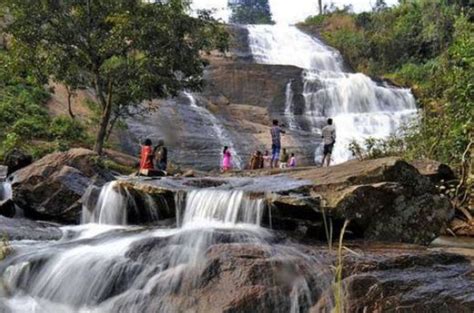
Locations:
98 267
220 131
360 107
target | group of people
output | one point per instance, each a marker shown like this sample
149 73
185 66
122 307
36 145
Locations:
153 159
156 159
280 158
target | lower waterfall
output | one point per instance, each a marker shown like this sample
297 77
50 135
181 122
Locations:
126 268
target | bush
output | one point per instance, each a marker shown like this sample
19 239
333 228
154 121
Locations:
66 129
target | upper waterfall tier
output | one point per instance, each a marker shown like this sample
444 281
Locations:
360 107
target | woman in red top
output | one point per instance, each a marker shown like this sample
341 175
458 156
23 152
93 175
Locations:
146 156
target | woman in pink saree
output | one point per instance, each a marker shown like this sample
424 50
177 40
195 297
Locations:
226 160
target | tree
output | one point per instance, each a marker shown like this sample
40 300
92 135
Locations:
128 51
250 12
320 7
379 6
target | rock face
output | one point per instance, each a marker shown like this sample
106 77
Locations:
52 187
235 108
24 229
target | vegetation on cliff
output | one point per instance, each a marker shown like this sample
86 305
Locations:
128 52
425 45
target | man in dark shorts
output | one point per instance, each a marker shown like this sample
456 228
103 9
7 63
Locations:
276 132
329 139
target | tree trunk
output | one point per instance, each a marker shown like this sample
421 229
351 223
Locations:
104 122
320 3
69 104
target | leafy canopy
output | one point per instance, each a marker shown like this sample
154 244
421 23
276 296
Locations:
128 51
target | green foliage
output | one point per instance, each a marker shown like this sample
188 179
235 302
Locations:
24 118
426 45
128 51
250 12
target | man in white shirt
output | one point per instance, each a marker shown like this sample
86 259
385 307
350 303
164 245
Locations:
329 139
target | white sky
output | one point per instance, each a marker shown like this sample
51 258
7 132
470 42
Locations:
288 11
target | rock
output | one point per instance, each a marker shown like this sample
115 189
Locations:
16 160
3 172
385 199
24 229
418 280
51 187
435 170
7 208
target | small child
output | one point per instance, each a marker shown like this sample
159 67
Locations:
292 162
284 159
267 159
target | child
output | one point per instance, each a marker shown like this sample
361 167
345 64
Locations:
284 159
292 162
267 159
226 160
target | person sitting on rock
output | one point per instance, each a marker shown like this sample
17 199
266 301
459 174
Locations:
329 139
284 159
292 161
146 157
161 156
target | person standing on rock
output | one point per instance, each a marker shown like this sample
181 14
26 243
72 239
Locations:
329 139
161 155
226 160
284 159
276 132
146 157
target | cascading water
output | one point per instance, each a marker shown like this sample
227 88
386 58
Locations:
104 268
5 191
221 133
360 107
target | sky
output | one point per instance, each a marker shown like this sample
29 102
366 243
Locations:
288 11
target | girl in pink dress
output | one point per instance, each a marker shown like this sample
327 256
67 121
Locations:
226 160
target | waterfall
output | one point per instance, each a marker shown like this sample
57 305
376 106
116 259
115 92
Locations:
5 191
360 107
289 106
115 205
222 135
230 207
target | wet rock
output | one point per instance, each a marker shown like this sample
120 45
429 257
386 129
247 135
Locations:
51 188
16 160
7 208
24 229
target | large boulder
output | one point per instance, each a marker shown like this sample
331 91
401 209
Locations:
385 199
51 187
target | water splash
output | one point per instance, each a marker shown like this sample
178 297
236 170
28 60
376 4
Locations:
222 135
360 107
229 207
6 191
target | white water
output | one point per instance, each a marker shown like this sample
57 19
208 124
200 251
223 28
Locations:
104 268
5 191
360 107
219 130
289 106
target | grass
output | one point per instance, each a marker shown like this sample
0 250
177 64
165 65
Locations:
338 286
